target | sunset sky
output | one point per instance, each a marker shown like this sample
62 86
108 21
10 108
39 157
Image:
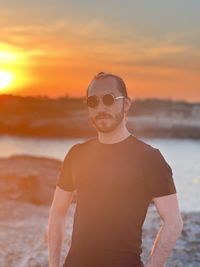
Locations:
54 48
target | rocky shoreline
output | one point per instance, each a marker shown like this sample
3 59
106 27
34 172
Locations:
26 190
43 117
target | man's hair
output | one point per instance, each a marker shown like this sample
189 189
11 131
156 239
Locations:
102 75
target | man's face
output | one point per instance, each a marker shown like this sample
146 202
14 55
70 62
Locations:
106 118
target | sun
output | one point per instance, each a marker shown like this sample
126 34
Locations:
6 79
14 63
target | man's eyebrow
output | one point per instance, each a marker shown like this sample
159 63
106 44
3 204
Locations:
104 94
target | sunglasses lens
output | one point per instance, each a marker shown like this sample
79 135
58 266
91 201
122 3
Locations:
108 99
92 101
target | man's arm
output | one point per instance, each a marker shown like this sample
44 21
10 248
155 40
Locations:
56 225
168 209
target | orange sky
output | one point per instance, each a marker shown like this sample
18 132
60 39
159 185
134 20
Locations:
58 55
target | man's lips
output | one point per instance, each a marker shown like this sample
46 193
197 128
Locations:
102 117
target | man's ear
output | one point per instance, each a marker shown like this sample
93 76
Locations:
127 104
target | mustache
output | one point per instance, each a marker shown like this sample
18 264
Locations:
102 116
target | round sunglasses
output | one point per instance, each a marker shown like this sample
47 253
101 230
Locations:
107 99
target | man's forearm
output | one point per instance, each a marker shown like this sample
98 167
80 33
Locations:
163 245
55 235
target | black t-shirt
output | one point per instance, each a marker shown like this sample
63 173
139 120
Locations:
115 184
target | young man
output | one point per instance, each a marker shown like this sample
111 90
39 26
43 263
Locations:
116 176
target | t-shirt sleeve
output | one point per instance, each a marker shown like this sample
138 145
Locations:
159 176
65 179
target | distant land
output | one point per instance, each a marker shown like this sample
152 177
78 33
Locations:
67 117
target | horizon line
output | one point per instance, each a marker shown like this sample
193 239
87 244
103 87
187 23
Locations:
66 96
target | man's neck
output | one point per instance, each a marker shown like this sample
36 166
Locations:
113 137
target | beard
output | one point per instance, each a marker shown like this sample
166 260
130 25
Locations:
106 123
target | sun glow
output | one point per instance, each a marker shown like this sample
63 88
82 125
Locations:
13 69
6 79
7 57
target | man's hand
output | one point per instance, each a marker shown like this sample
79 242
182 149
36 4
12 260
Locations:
168 209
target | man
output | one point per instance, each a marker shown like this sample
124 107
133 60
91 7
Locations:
116 176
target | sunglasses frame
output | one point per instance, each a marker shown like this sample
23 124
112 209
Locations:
98 99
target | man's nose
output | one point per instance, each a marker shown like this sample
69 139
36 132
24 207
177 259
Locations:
100 106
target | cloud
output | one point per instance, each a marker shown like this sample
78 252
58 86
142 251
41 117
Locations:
71 43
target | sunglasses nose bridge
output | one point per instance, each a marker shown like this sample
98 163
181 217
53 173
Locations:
100 105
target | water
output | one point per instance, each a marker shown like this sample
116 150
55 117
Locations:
182 154
51 148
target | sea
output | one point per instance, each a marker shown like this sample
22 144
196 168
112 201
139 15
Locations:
183 155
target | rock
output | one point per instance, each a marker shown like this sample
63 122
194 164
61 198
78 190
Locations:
187 249
23 228
28 178
22 236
